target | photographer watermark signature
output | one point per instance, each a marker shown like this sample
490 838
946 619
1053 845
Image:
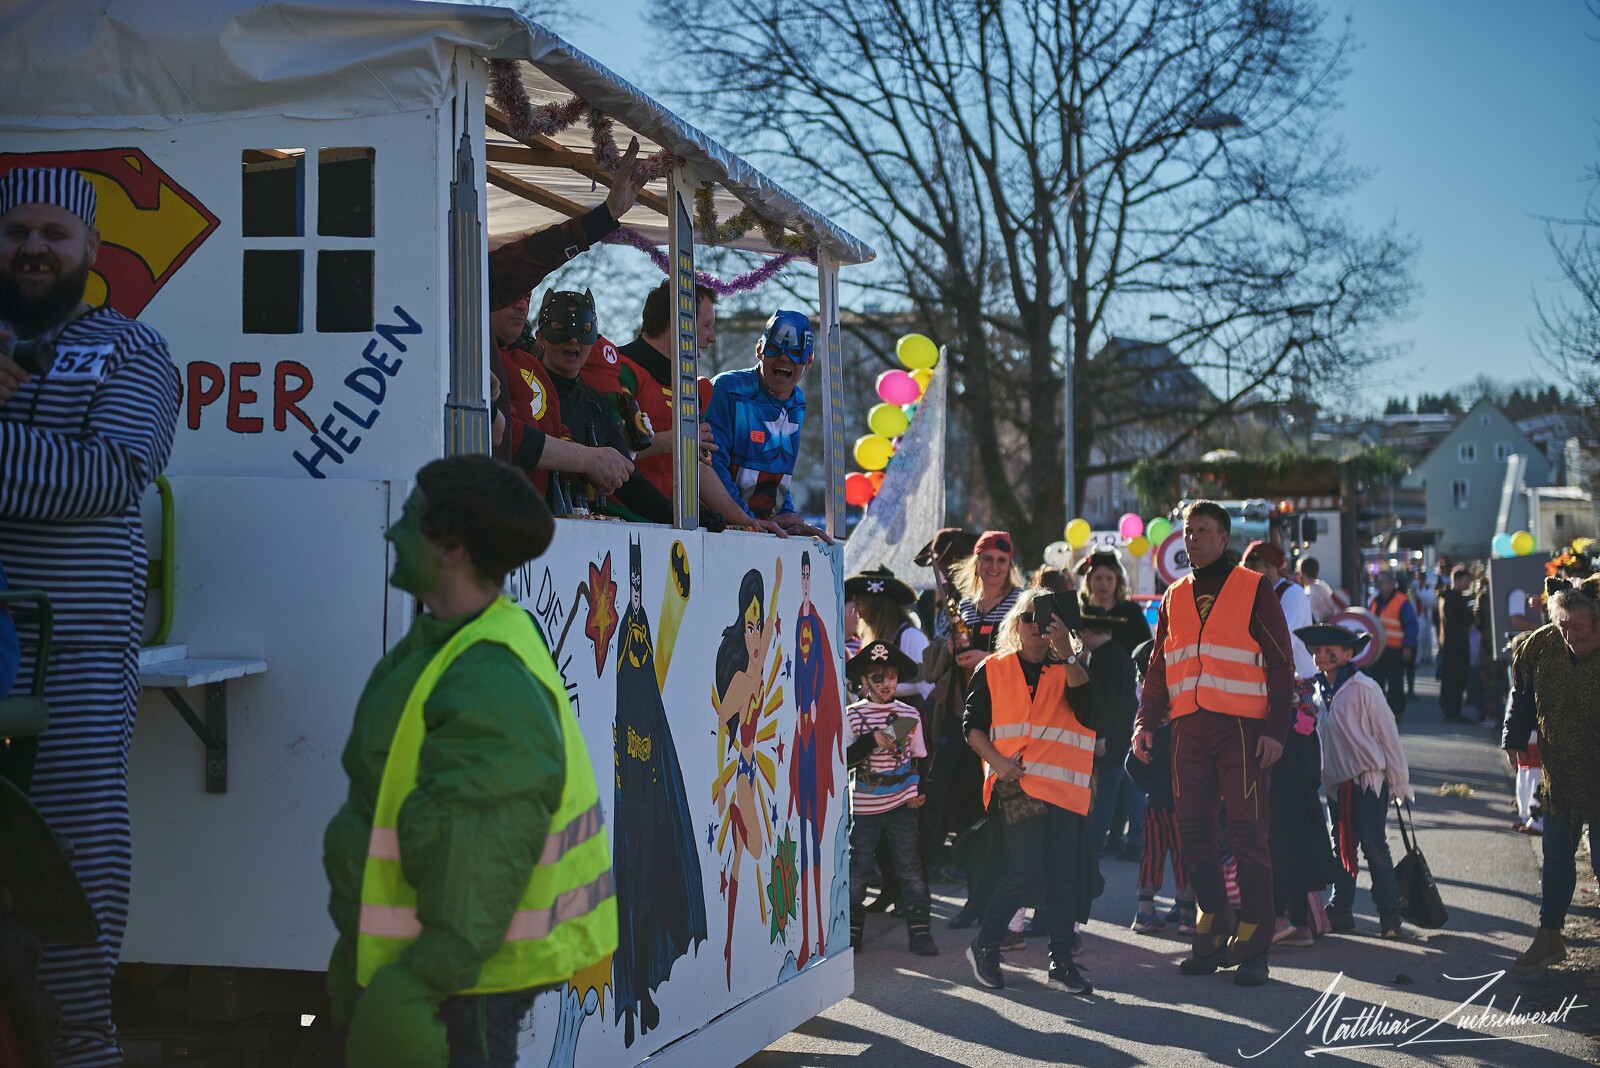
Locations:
1380 1027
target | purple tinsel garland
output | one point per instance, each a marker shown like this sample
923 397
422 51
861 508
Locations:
744 283
547 120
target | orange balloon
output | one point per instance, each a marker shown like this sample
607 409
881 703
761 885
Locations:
876 478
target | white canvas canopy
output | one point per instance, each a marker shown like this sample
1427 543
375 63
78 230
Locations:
76 64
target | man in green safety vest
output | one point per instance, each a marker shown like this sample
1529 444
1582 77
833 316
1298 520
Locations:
469 865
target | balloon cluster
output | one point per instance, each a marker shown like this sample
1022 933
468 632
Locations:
1519 544
1137 535
899 393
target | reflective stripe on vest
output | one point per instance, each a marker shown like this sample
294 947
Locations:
1215 664
1041 730
1394 632
566 919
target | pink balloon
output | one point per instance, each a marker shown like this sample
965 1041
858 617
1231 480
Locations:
898 387
1130 526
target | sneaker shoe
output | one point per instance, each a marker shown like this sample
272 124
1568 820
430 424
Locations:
1198 965
1175 914
1340 920
1013 940
1148 922
1298 937
1068 977
1389 924
1281 929
1186 922
1253 971
919 936
985 966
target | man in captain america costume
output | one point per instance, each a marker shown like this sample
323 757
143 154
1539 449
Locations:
755 417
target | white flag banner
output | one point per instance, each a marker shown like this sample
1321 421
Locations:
909 508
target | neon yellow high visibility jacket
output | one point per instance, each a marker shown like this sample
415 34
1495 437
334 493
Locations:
488 787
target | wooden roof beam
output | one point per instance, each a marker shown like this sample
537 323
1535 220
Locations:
548 152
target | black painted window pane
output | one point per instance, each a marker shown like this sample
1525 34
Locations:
344 192
344 291
273 202
272 291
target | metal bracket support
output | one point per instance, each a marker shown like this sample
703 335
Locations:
212 731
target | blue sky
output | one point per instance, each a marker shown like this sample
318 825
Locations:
1475 117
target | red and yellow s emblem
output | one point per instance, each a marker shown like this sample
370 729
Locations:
149 224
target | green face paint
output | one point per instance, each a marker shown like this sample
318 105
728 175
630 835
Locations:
416 559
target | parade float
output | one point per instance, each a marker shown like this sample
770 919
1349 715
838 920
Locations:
300 198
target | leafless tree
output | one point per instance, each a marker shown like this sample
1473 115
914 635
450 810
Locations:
1010 159
1568 333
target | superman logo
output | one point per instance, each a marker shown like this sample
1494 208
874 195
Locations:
149 224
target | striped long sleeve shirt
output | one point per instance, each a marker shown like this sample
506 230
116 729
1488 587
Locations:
79 444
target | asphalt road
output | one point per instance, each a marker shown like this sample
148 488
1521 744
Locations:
913 1011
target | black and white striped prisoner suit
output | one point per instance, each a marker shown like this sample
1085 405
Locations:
79 445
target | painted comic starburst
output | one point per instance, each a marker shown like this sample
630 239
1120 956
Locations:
601 623
783 888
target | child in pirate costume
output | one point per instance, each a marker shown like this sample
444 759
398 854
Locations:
1363 766
885 738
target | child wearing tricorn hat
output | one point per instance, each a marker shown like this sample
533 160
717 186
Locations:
1363 766
885 736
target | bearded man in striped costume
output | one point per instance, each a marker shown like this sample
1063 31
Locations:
88 401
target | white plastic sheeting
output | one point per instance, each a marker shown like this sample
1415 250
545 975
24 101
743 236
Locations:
141 64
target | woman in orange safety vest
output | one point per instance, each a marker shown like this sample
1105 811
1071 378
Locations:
1030 715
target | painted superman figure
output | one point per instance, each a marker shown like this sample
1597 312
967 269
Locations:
819 734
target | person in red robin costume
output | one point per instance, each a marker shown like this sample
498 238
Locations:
1222 672
535 438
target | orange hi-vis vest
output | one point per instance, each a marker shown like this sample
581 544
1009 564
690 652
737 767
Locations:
1215 664
1040 730
1394 632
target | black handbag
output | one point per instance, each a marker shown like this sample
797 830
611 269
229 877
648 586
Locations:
1420 902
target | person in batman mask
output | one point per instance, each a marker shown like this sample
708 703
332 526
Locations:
567 327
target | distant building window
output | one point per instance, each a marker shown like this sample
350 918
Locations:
1561 520
1502 452
1483 420
1459 493
1467 453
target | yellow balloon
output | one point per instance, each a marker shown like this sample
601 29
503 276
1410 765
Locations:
923 375
1139 545
1078 533
872 452
917 352
1522 543
888 420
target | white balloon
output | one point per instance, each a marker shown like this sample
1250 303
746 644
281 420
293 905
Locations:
1058 554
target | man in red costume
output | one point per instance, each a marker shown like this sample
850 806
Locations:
535 438
1222 672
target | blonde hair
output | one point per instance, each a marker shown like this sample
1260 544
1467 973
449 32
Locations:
880 618
1006 637
965 577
